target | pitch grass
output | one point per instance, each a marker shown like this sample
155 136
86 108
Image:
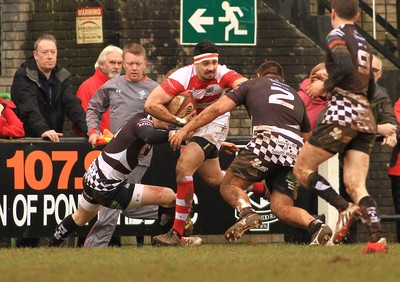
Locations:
225 262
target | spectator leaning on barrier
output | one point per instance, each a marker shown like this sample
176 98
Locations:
314 106
107 66
10 124
42 92
382 107
124 96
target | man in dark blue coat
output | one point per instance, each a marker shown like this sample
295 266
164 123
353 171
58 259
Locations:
43 95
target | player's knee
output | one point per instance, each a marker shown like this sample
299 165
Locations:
213 182
301 175
167 198
296 173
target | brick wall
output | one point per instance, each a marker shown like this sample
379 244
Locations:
149 23
142 21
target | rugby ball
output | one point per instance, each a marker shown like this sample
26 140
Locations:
182 104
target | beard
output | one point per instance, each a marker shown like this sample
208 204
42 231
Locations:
112 74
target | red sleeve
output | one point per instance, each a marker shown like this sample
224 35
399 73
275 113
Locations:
396 110
84 95
172 87
12 125
229 78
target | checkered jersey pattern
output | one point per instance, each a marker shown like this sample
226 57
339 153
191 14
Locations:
349 112
274 147
92 179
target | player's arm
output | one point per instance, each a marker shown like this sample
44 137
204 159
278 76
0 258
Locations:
154 105
150 135
97 105
223 105
238 81
344 67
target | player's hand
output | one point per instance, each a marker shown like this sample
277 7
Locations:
315 89
190 116
390 140
228 148
386 129
176 139
92 138
52 135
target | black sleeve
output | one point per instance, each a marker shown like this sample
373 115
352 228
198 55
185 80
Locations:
150 135
344 68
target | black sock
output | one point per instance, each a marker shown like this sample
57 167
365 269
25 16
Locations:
371 218
63 231
326 192
314 225
166 218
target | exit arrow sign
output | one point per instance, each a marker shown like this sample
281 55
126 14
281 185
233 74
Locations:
196 20
225 22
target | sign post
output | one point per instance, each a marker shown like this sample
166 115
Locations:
224 22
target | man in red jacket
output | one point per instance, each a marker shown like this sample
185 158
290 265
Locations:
108 65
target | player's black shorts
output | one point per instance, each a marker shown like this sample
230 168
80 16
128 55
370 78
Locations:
334 138
118 198
249 166
210 150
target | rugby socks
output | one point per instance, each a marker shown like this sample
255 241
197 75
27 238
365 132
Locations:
63 231
326 192
184 198
166 217
257 188
370 217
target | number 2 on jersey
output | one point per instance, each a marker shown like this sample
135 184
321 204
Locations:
280 97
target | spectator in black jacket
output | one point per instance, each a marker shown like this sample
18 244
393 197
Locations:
43 95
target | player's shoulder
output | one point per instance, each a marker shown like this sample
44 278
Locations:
114 82
150 81
336 32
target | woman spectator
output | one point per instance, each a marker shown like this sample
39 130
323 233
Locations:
10 125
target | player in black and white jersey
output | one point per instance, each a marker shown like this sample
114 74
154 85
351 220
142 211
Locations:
106 183
280 122
348 125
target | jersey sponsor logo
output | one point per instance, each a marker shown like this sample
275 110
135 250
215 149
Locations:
145 122
256 163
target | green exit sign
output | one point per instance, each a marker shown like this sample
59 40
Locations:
225 22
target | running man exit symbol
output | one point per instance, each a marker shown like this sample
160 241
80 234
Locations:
225 22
